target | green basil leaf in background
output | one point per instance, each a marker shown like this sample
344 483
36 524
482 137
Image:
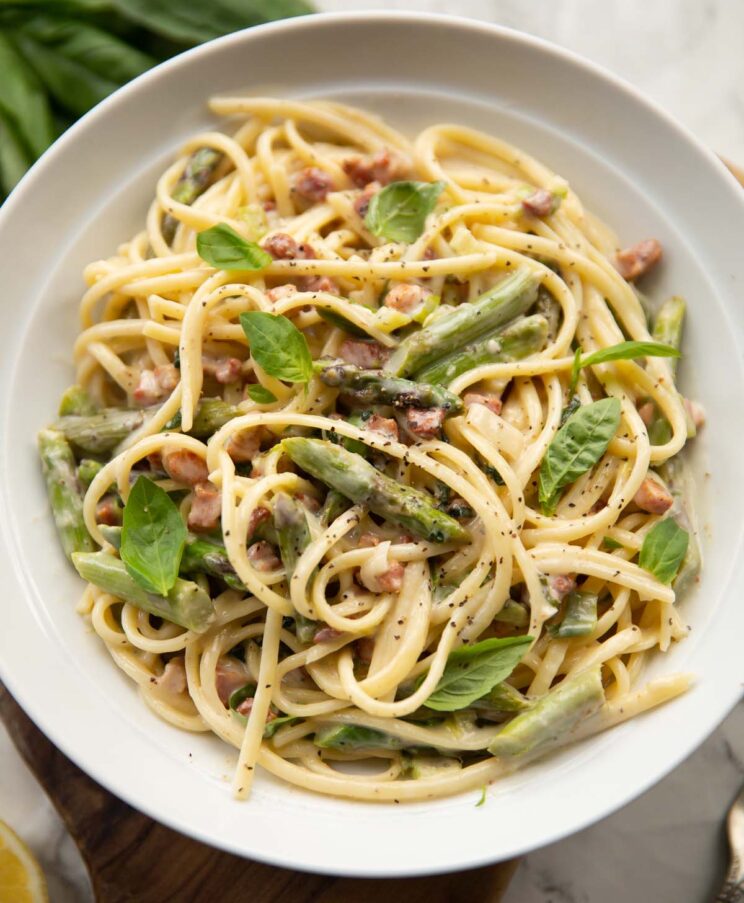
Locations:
278 346
663 550
576 448
623 351
23 101
398 212
194 23
261 394
153 536
15 158
222 247
473 671
580 615
69 84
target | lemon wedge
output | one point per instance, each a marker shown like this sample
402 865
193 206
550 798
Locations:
21 877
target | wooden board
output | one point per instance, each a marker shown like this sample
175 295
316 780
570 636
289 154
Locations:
130 857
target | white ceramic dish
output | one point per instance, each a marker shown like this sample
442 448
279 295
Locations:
629 162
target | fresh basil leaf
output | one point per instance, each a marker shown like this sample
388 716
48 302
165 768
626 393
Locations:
153 537
192 23
278 346
261 394
663 550
473 671
609 543
398 212
623 351
355 737
273 726
337 319
23 101
576 448
222 247
580 616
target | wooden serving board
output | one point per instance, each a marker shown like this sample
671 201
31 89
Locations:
133 859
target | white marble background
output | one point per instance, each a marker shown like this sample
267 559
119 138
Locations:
668 846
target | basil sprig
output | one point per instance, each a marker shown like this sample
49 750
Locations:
398 212
473 671
623 351
576 448
664 549
261 394
222 247
277 346
153 536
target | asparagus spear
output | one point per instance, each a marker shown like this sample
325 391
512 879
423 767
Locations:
675 474
211 415
369 387
76 400
87 471
668 326
552 716
502 700
200 556
355 737
292 530
517 341
669 323
358 480
580 615
507 300
334 506
58 466
99 433
186 604
195 179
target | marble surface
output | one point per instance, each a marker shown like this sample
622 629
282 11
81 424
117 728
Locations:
668 846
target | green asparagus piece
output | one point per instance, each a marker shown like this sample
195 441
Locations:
675 474
87 471
290 521
358 480
76 400
669 323
355 737
334 506
58 466
211 415
196 177
551 717
507 300
503 699
186 604
370 387
513 613
513 343
200 556
99 433
550 309
580 616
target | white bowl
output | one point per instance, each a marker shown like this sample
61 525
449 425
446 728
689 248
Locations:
631 165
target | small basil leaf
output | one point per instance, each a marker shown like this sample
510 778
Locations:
609 543
337 319
473 671
571 408
580 617
247 691
398 212
663 550
623 351
153 536
261 394
278 346
576 448
273 726
223 248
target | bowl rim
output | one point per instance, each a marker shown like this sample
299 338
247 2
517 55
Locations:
98 769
